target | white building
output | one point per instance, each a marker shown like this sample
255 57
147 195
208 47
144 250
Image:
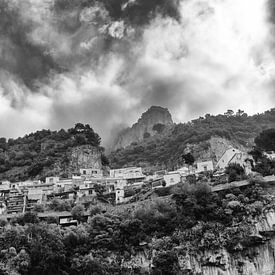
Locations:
172 178
233 155
63 185
52 180
133 175
183 171
96 173
205 166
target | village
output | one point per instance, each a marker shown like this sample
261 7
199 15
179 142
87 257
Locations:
118 186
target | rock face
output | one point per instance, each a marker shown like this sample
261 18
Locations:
212 148
85 156
155 115
256 260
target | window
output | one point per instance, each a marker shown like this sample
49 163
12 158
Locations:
84 172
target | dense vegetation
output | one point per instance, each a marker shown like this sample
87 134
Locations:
167 149
36 154
193 221
264 143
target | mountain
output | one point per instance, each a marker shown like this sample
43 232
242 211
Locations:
205 137
152 122
48 153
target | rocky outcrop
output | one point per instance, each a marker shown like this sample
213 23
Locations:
85 156
259 259
212 148
145 127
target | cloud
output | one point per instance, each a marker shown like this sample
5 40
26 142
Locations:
104 62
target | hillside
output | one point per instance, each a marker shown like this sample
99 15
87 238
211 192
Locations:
204 137
151 122
47 153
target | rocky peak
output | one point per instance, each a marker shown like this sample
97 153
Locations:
151 122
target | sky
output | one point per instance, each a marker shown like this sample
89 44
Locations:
105 62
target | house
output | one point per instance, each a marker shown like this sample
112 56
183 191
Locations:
205 166
35 195
86 189
133 175
16 201
88 172
172 178
184 171
233 155
52 180
63 185
4 186
158 183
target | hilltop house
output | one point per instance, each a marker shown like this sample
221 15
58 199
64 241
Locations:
96 173
172 178
233 155
205 166
133 175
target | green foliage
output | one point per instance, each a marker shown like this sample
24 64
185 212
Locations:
35 155
60 205
78 212
28 217
266 140
166 262
235 172
188 159
195 220
167 149
38 208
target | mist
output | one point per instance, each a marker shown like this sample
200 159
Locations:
106 62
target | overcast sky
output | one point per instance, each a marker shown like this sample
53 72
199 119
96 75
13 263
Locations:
105 62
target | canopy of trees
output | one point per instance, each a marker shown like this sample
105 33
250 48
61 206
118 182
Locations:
194 220
167 149
30 156
266 140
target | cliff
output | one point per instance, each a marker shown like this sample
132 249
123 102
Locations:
152 122
49 153
205 137
85 156
256 257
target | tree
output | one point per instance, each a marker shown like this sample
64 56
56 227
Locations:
78 212
229 113
104 160
266 140
166 262
235 172
188 159
239 112
256 153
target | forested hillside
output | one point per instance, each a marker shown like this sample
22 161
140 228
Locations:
39 154
167 148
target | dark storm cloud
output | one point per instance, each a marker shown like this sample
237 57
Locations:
271 10
104 62
18 55
135 12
